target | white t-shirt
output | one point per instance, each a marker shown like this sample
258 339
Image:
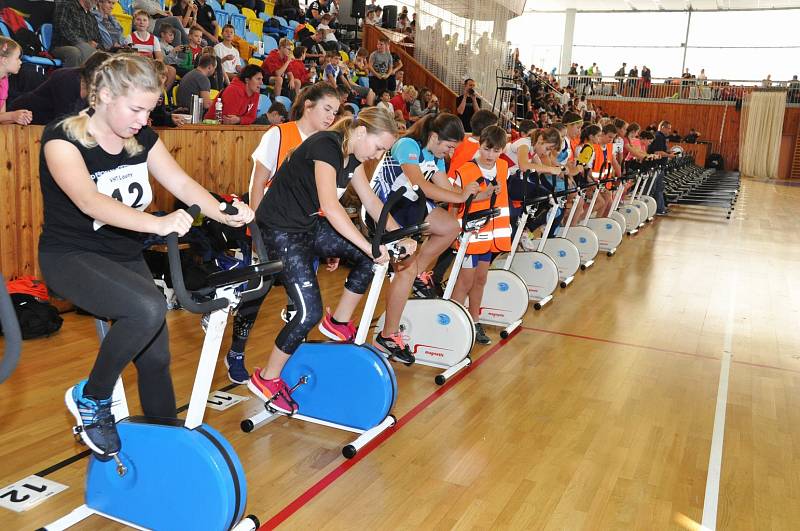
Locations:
329 36
489 175
220 50
512 150
619 145
388 106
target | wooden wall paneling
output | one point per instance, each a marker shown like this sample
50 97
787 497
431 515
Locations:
27 179
9 227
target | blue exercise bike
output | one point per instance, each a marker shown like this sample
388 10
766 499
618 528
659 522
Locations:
173 474
349 386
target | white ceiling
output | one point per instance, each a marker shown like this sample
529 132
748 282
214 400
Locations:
656 5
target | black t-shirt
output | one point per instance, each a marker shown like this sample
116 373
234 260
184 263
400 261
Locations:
59 95
321 9
205 16
124 178
469 110
658 144
291 204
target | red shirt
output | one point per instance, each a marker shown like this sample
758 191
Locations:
236 102
399 104
272 62
298 70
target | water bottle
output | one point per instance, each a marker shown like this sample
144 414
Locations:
218 111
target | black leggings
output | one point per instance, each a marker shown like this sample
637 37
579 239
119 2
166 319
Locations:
125 293
298 250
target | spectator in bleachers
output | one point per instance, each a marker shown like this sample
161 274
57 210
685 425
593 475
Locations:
397 65
75 31
385 102
426 103
227 53
240 99
401 102
186 12
288 9
372 6
315 10
693 135
159 17
467 103
361 67
10 63
298 67
315 49
277 113
380 66
398 80
161 115
173 55
62 93
329 36
403 23
197 82
207 21
255 5
337 76
107 24
374 17
219 80
148 44
276 66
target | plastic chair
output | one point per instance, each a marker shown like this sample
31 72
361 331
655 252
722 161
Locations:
175 95
282 21
223 17
264 16
213 93
256 25
216 6
46 35
239 24
255 61
127 6
293 24
230 8
269 8
269 43
249 13
251 37
264 103
286 101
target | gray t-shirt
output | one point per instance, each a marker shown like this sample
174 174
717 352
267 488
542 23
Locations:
192 83
381 62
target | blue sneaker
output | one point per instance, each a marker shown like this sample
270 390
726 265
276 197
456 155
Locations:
237 373
95 422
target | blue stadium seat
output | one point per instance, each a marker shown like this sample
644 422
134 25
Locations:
269 43
223 17
286 101
239 24
216 6
264 103
230 8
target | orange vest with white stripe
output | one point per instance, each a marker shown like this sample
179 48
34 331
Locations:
495 236
602 157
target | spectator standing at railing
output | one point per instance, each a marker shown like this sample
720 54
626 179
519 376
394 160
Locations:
645 83
75 31
620 75
794 90
767 82
701 77
633 77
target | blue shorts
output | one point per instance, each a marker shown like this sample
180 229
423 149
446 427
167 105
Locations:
471 261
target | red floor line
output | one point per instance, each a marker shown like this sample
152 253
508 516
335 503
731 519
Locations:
334 474
658 349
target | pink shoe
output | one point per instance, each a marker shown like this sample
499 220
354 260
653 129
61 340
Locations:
275 392
344 333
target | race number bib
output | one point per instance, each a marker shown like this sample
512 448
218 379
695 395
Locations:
129 185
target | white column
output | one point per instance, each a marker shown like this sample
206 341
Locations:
566 47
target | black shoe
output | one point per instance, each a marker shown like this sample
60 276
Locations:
480 335
395 348
424 287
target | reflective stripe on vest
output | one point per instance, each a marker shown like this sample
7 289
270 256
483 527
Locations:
495 236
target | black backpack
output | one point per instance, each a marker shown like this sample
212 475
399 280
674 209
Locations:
36 319
28 41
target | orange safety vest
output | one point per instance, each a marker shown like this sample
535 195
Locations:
573 145
290 139
464 152
495 236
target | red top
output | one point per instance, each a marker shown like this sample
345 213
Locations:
272 62
298 70
236 102
399 104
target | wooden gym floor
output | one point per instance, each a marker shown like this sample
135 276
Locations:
598 414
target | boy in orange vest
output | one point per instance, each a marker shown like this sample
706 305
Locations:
491 172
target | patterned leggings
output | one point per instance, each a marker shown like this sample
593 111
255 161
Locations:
298 251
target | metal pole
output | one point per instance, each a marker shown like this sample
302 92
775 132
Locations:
686 41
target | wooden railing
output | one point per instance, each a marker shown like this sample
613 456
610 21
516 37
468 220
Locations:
218 157
414 73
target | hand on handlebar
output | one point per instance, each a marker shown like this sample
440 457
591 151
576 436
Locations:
384 257
409 245
178 221
244 215
472 188
487 193
332 264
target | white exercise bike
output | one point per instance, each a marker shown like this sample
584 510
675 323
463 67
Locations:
441 332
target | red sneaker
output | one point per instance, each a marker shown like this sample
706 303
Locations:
276 392
344 333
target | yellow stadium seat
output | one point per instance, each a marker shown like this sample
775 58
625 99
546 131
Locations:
254 61
269 9
344 56
213 94
249 13
117 9
126 21
256 25
175 95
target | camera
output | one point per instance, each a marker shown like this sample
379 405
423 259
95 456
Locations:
471 92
